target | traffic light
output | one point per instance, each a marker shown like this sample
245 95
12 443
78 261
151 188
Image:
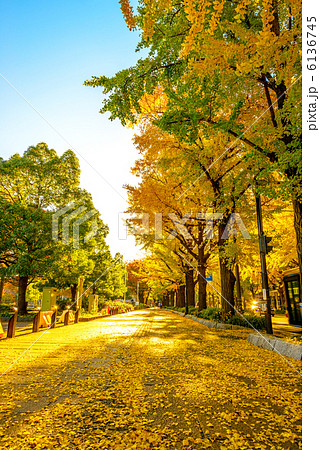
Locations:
265 247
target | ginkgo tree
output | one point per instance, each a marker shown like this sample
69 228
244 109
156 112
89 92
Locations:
224 66
166 170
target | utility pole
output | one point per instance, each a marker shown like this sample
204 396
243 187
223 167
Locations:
263 241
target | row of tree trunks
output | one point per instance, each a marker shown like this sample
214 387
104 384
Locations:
165 299
186 293
168 298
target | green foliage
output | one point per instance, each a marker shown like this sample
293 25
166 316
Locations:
33 293
248 321
192 310
211 314
26 247
6 310
33 187
39 178
218 315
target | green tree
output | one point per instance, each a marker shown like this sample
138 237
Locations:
80 254
26 245
31 187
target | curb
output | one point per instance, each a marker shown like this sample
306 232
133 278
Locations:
277 345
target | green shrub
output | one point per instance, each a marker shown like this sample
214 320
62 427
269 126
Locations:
256 322
192 310
218 315
143 306
211 314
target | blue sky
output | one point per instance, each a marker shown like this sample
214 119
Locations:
48 49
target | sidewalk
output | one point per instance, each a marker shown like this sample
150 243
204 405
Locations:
282 329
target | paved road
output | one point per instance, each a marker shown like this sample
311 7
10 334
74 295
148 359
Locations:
146 380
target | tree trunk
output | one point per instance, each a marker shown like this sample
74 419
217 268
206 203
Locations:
22 305
181 296
178 296
227 286
297 209
190 287
73 289
1 288
172 298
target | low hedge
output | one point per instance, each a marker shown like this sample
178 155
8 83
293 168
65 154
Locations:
248 321
218 315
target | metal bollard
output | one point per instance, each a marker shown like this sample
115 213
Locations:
76 315
36 322
12 324
54 318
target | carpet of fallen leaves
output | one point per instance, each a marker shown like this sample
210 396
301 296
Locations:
146 380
